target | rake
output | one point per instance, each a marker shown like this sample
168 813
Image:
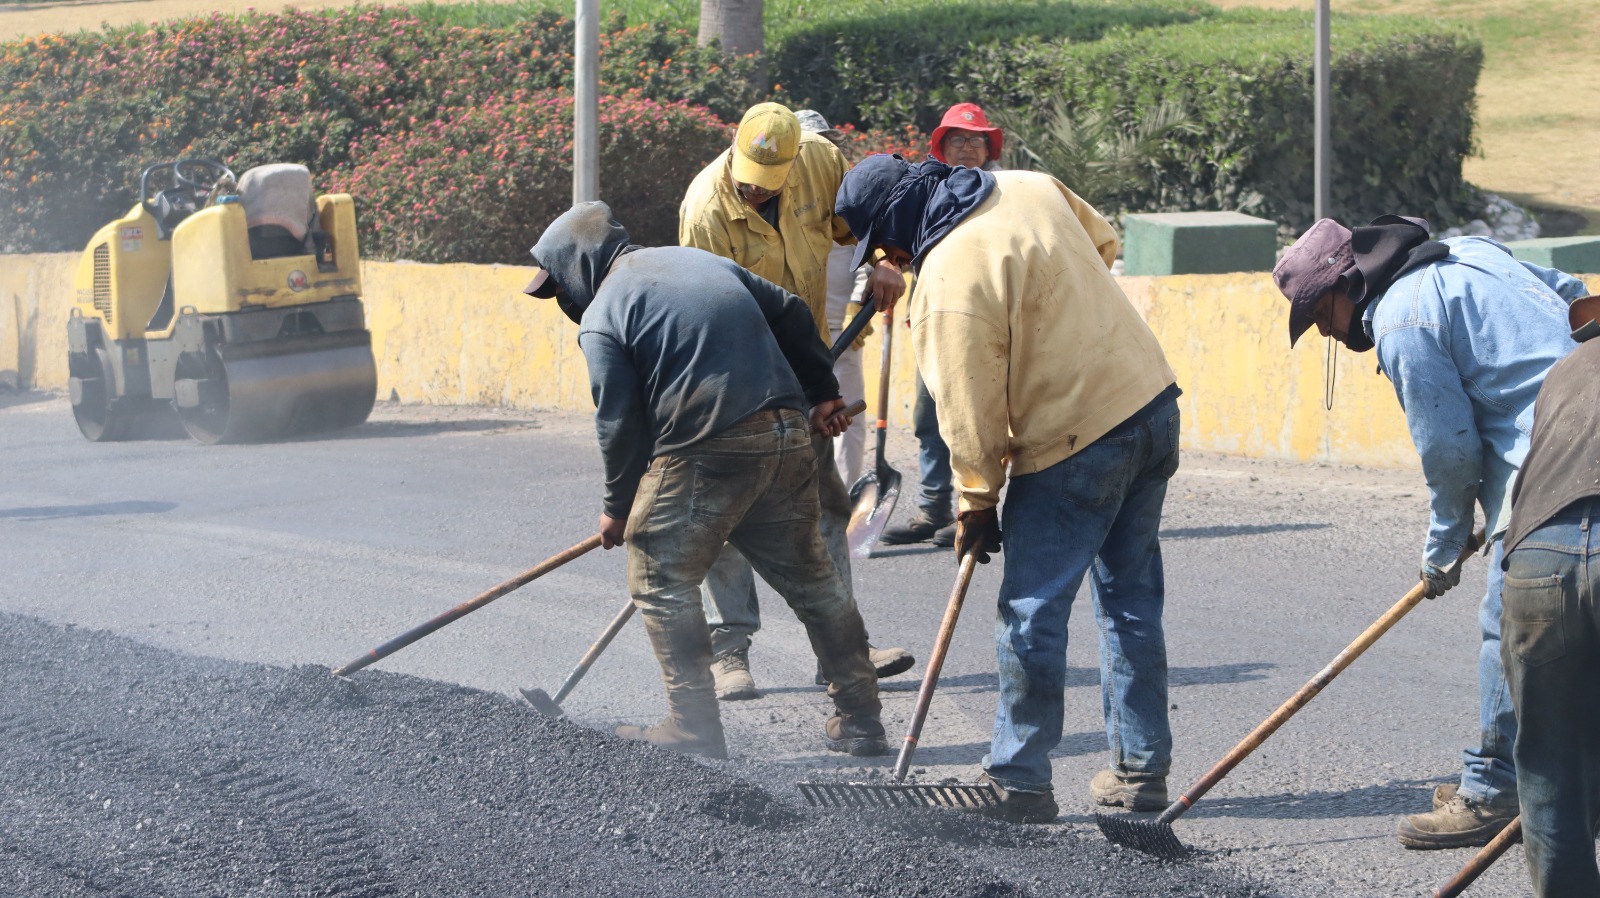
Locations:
1156 836
898 793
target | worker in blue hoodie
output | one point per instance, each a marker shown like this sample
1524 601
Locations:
708 383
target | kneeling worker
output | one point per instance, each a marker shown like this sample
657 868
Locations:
1037 360
701 374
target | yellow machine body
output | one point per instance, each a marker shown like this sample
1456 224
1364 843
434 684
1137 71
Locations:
246 340
123 273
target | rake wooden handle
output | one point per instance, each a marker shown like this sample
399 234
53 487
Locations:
1482 861
467 607
1307 692
930 679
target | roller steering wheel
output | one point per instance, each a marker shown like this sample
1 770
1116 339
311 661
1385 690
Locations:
195 177
199 174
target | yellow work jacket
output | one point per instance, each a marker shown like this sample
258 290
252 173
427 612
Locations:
1029 347
794 256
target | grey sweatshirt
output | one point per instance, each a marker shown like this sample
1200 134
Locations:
681 344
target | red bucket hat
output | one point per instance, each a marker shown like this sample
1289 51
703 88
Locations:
966 117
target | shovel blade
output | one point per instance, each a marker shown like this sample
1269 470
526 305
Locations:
873 497
542 702
1148 836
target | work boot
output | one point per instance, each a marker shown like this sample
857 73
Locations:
857 734
732 673
887 662
922 526
1460 823
1134 791
945 538
1020 807
1443 794
699 736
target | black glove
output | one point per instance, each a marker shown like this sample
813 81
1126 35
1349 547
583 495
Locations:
1436 582
977 532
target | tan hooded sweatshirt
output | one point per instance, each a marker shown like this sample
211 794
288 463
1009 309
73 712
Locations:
1029 347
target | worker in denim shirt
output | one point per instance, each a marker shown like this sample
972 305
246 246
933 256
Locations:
1466 333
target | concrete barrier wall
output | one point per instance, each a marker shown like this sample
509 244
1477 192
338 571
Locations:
465 334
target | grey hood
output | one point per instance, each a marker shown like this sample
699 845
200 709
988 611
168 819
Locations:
578 249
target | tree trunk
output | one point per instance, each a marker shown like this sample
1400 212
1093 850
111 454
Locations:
737 24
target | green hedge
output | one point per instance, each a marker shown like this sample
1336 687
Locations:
1402 109
901 64
81 114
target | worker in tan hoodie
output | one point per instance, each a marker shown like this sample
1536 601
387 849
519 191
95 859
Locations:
1039 364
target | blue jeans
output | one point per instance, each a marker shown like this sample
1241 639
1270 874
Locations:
1552 660
1099 511
933 456
1488 775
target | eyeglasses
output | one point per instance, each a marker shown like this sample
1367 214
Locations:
970 140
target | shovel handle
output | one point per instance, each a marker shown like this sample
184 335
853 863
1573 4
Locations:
930 679
593 654
1482 861
854 328
466 608
1307 692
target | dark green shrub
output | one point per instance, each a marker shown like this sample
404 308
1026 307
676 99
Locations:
901 65
1402 110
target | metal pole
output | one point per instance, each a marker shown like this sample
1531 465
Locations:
586 103
1324 137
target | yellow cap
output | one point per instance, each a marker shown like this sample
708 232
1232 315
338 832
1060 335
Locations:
765 147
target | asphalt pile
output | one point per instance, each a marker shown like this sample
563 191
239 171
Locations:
133 771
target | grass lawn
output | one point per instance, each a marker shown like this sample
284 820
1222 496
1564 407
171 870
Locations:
1538 100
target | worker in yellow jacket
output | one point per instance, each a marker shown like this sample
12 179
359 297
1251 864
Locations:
1039 365
767 204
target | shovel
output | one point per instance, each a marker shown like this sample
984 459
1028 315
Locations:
872 498
899 793
466 608
551 707
1482 861
1156 836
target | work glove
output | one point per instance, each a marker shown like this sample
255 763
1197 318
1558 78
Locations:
1436 582
977 532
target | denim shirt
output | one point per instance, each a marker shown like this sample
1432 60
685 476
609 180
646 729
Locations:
1466 342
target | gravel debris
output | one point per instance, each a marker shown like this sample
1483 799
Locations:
132 770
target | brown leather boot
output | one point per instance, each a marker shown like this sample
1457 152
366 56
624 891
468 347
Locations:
702 736
692 725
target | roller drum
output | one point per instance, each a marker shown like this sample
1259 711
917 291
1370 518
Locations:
246 392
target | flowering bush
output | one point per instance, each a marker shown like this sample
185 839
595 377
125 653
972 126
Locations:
481 183
81 115
907 141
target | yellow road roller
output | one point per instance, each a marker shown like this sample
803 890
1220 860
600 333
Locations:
234 301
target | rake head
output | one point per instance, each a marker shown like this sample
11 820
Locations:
900 795
542 702
1148 836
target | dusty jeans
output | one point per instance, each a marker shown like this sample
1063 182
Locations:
730 586
1551 643
1098 513
754 486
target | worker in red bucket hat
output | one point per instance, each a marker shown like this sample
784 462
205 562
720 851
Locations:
956 140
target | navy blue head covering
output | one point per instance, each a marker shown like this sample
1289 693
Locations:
886 200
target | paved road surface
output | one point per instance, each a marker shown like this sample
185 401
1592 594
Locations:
313 551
